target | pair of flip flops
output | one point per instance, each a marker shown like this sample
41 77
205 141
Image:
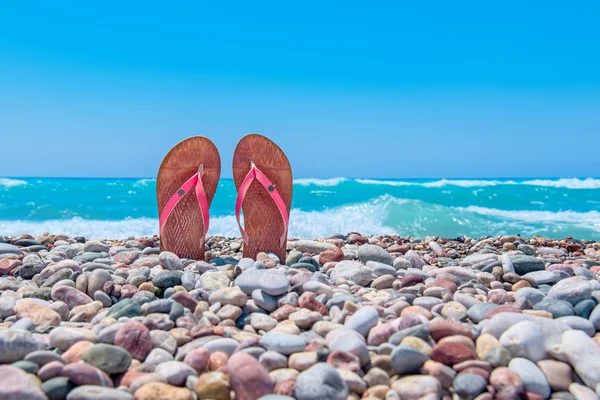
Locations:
186 184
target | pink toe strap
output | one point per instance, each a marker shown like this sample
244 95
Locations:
257 174
194 182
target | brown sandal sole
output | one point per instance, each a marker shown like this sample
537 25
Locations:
262 219
184 229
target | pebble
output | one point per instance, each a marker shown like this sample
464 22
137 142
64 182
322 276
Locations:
214 280
283 343
380 317
533 378
581 392
163 391
81 373
363 320
17 384
58 388
274 283
249 379
330 255
406 360
135 338
170 261
524 264
229 295
265 301
558 374
70 296
90 392
321 381
525 339
583 354
167 279
125 308
558 308
249 280
41 315
175 372
212 385
15 345
6 248
95 246
222 345
383 282
579 323
310 246
572 290
414 259
469 385
416 386
452 353
371 252
43 357
110 359
504 377
353 271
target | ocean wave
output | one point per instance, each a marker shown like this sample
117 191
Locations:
303 224
321 192
8 183
587 219
385 182
437 184
368 218
466 183
319 181
77 226
144 182
381 215
567 183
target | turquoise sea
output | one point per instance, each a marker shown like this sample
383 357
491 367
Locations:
119 208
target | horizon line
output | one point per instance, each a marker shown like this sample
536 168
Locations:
312 177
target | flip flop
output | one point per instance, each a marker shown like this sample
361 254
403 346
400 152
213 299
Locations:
263 178
185 186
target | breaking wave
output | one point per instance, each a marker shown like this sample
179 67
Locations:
572 183
8 183
566 183
319 182
381 215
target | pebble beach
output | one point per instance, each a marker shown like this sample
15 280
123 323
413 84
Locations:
343 317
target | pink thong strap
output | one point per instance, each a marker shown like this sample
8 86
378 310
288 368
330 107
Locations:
194 182
257 174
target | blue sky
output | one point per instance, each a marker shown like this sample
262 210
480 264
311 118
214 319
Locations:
434 89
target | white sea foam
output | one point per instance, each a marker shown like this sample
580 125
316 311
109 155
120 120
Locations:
567 183
89 228
385 214
321 192
388 214
589 219
368 217
8 183
144 182
437 184
319 182
302 224
466 183
385 182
